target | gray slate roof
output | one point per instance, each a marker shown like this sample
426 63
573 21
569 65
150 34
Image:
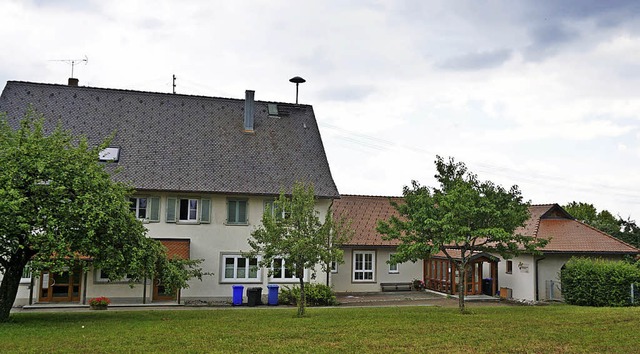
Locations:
184 143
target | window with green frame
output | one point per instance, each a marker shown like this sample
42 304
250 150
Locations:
237 211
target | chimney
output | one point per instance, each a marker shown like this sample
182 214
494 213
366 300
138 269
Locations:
73 82
249 109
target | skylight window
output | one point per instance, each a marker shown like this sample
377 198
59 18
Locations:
273 109
110 154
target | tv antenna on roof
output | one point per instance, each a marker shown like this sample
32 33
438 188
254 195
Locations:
73 62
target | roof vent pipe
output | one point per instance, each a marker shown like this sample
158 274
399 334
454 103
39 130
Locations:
249 109
73 81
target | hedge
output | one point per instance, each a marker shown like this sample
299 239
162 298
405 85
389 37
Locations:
315 294
598 282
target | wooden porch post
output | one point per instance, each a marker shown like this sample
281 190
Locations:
452 277
494 276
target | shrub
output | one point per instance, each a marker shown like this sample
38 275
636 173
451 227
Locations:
99 301
316 295
597 282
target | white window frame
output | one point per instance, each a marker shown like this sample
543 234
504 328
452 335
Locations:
153 202
334 267
246 211
189 219
269 206
393 268
203 210
235 278
283 279
364 270
27 270
136 208
100 279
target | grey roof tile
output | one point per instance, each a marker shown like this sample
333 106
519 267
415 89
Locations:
186 143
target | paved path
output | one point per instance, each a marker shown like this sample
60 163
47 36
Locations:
412 298
401 298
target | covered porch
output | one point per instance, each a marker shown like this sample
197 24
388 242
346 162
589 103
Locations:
73 286
441 275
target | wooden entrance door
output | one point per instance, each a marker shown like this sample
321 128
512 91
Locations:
474 279
60 287
160 292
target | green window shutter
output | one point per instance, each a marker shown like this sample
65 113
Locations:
171 209
154 214
231 211
205 211
242 212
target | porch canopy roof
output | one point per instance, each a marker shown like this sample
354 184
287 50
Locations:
456 254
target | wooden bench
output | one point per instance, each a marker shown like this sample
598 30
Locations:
396 286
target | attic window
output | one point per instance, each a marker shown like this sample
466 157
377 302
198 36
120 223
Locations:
110 154
273 109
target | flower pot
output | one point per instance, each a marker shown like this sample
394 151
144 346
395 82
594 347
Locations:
99 307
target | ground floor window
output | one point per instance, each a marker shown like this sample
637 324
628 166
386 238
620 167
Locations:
237 267
334 267
26 274
363 265
281 271
393 267
103 277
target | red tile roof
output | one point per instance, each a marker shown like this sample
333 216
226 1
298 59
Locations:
364 212
547 221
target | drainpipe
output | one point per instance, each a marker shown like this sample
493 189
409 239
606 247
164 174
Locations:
84 289
535 287
144 291
328 272
31 289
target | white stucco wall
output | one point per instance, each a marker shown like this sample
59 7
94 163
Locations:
549 267
208 242
342 281
521 279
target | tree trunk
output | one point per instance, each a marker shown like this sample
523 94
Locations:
10 284
302 301
462 283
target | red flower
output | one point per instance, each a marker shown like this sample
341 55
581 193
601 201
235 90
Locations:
102 300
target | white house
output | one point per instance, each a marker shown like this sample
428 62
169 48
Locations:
204 170
366 255
527 277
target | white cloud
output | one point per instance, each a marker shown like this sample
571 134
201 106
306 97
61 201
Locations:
557 117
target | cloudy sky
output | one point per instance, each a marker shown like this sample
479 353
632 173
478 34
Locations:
543 94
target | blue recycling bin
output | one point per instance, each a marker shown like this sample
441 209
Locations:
273 295
238 290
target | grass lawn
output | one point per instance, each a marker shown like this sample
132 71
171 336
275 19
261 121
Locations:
513 329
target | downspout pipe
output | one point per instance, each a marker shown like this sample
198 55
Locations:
535 287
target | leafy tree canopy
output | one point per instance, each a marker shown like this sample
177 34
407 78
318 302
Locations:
292 231
624 229
59 207
462 214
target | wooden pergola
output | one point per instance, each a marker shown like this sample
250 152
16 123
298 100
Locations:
442 276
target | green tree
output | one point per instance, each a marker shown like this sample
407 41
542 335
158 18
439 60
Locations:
588 214
463 214
292 231
624 229
629 232
60 208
